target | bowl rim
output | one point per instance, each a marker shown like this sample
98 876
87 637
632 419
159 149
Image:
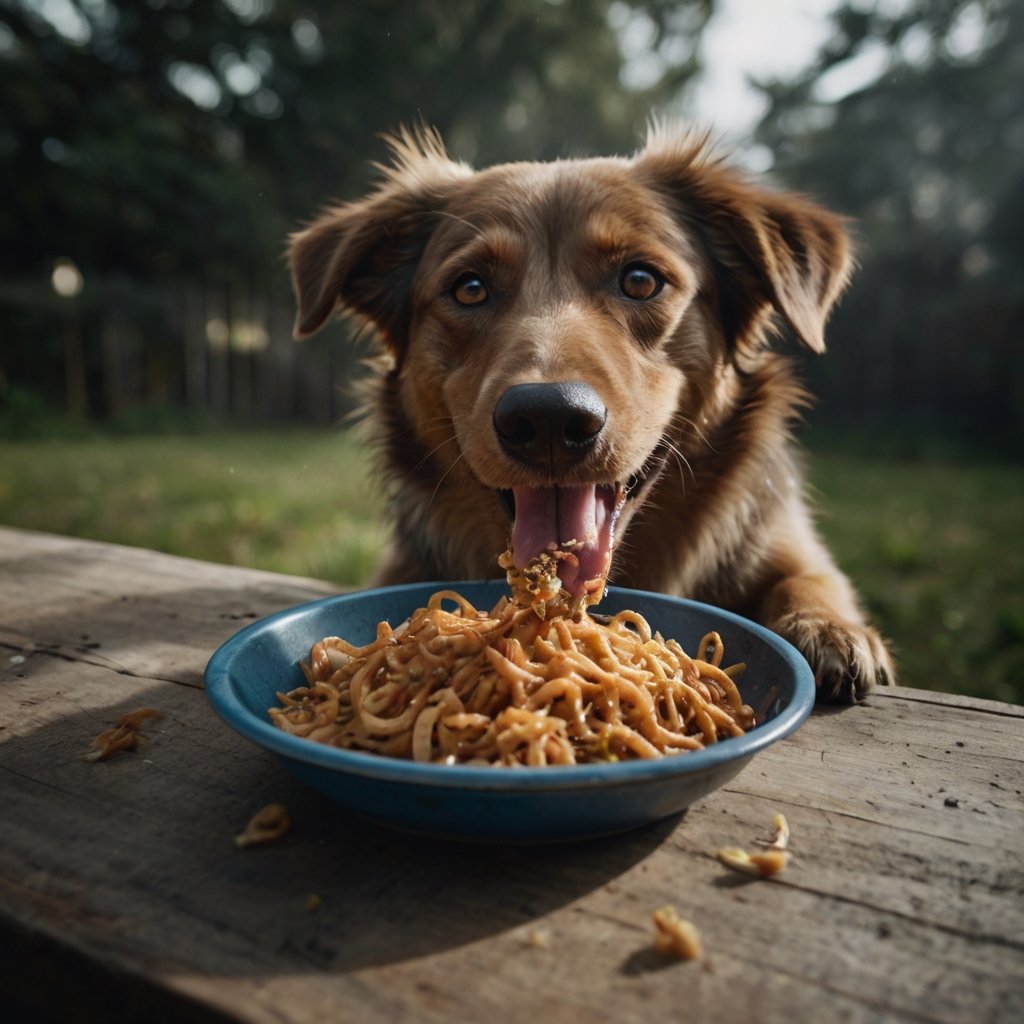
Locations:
221 694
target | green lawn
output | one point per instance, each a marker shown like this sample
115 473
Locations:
296 502
935 548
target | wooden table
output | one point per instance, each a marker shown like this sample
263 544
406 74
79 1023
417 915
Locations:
124 898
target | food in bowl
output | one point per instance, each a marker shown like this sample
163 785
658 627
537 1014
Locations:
536 680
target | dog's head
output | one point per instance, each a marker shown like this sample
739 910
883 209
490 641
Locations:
562 322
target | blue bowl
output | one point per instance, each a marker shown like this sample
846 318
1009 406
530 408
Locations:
502 804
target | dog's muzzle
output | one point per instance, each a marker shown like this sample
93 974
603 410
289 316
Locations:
551 428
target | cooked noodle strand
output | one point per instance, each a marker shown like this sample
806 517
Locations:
517 685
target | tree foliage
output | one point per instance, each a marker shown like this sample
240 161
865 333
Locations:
159 142
167 147
928 158
153 137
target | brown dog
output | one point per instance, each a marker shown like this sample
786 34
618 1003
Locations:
584 346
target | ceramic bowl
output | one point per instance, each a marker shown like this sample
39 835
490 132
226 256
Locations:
502 804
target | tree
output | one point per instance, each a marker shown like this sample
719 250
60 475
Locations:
927 157
176 142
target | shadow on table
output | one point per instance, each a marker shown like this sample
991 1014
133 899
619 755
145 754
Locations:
137 854
154 859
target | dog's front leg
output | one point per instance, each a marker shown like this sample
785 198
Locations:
819 615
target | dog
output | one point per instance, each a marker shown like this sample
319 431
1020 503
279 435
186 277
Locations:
586 351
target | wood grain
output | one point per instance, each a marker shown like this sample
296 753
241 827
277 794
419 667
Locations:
121 887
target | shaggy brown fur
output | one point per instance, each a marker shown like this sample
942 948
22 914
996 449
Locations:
654 281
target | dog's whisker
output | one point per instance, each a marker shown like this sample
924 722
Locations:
434 451
701 435
682 477
444 476
414 430
681 460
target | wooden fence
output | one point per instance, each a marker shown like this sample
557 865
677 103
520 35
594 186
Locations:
217 351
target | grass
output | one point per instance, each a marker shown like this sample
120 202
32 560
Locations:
295 502
934 547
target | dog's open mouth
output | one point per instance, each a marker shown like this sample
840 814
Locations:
581 518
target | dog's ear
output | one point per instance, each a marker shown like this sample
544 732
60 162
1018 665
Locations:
361 257
771 251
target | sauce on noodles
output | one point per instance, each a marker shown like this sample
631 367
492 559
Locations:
531 681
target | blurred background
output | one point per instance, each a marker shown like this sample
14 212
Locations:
154 154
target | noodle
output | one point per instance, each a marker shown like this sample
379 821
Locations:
530 682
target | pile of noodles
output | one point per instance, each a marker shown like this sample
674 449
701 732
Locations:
533 681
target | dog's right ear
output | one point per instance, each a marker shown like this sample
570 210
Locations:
361 257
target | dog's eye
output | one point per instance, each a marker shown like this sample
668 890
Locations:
640 282
469 290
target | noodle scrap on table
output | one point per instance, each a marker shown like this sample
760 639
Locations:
536 680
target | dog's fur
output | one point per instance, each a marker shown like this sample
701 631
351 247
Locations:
698 402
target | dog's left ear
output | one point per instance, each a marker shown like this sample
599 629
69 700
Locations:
770 250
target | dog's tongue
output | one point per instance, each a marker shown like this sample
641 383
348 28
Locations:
549 517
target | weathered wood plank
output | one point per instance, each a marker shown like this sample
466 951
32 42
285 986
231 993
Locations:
958 700
131 610
898 906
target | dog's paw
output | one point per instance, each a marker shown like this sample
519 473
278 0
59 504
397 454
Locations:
848 659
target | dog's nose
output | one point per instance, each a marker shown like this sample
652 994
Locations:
550 426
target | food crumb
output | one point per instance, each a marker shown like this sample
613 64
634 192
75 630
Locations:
313 901
765 863
675 936
126 735
760 865
780 837
266 826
